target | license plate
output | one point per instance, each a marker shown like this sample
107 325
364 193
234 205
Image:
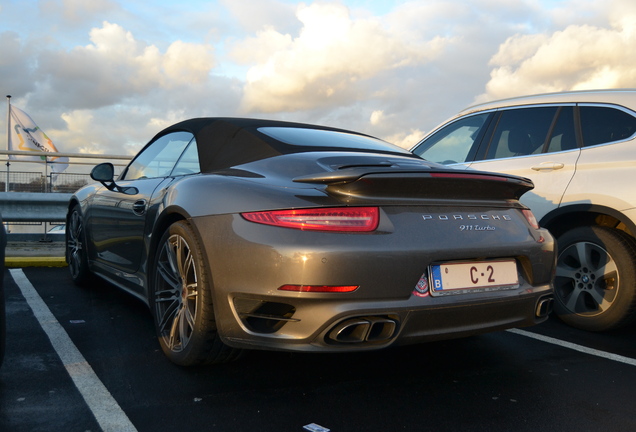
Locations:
459 278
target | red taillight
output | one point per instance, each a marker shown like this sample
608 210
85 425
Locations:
320 288
344 219
530 218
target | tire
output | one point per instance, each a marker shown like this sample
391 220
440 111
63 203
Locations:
76 253
595 283
181 301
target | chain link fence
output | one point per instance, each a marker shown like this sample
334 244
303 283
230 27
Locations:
23 181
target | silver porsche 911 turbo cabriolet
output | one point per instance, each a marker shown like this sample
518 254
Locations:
244 233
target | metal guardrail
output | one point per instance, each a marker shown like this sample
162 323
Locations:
49 181
59 154
34 206
32 196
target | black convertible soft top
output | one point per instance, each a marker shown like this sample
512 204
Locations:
224 142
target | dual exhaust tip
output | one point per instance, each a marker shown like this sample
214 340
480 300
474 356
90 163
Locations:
364 329
382 329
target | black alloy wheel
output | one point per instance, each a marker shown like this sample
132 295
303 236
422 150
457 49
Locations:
595 284
182 301
76 253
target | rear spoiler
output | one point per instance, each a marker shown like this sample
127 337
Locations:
409 183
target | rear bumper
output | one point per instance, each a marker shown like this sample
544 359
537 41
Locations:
248 263
366 326
444 323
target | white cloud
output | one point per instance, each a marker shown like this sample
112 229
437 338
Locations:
112 94
406 139
327 63
579 56
259 49
15 65
188 63
111 79
75 12
116 66
253 16
77 122
376 117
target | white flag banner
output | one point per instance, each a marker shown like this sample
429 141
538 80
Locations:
25 135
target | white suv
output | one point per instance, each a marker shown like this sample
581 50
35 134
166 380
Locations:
579 149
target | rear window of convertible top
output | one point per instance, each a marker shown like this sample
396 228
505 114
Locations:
328 138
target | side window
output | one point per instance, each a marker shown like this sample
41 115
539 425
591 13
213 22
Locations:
604 125
188 162
452 143
158 159
521 132
563 137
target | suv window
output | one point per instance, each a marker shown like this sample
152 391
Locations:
604 125
454 142
521 132
563 137
158 159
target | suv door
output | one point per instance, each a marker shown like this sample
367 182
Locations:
605 166
538 143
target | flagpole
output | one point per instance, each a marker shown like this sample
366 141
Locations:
6 185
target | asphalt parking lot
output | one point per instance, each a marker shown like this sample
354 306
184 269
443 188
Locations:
87 360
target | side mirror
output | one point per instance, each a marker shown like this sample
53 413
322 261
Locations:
105 173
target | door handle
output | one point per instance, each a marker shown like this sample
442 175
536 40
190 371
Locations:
548 166
139 207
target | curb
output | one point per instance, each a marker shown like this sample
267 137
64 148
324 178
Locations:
35 262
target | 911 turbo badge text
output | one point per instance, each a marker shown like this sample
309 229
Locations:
476 228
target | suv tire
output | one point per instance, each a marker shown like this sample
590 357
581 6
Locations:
595 284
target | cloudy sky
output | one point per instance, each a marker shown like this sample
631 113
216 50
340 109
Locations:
103 76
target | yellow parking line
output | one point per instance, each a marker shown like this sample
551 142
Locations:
19 262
